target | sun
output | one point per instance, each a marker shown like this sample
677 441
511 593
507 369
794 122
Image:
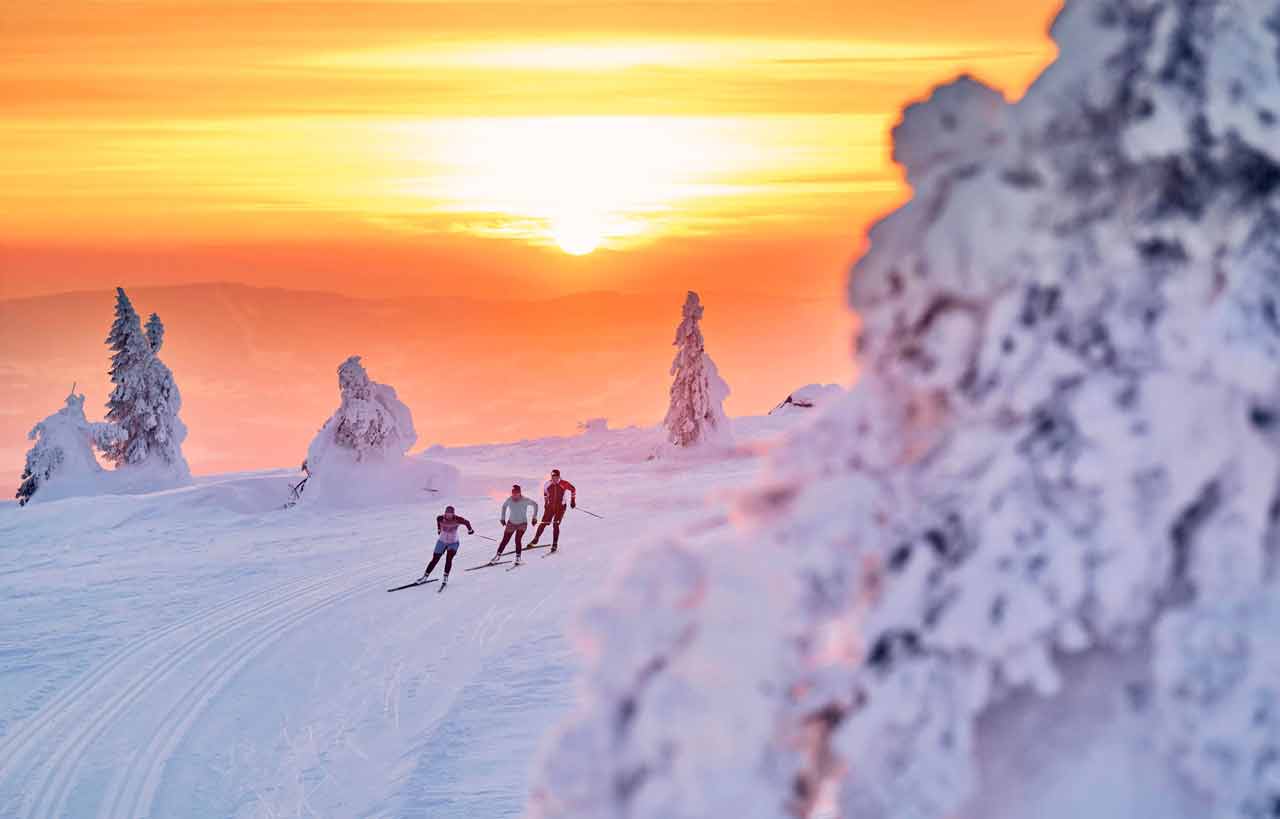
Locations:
577 235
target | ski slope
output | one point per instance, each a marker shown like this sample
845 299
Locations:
202 653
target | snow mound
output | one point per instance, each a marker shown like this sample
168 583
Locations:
250 494
808 397
406 480
1064 444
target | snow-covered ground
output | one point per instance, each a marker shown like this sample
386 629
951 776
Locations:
201 652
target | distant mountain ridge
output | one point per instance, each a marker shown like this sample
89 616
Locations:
257 365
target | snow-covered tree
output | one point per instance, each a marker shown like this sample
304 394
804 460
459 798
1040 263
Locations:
371 423
145 401
166 437
1063 451
357 457
130 355
696 413
63 451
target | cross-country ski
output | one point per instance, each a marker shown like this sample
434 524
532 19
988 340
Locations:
418 582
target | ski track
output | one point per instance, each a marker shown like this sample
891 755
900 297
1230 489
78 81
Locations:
126 735
186 710
47 795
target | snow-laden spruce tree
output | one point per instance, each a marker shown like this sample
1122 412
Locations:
696 413
61 462
357 457
145 401
370 425
1028 566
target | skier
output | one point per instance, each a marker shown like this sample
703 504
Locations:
446 542
553 507
514 518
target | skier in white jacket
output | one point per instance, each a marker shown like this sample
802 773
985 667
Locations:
515 519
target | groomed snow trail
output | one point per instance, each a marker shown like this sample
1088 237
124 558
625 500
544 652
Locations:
164 656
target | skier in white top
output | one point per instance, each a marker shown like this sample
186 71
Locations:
515 519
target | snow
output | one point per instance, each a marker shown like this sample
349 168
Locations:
358 456
62 463
145 404
808 397
1025 566
202 652
1057 475
696 416
142 434
370 424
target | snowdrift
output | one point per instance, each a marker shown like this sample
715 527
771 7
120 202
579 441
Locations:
403 480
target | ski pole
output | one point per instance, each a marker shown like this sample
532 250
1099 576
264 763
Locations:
486 537
592 514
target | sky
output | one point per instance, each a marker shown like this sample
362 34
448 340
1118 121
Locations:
514 151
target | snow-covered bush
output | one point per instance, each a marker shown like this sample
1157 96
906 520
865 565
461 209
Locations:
1063 445
371 423
808 397
696 414
358 456
61 462
144 403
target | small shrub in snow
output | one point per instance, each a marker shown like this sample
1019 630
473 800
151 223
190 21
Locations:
808 397
63 452
696 414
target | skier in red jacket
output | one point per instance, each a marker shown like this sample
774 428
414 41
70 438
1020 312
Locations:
553 507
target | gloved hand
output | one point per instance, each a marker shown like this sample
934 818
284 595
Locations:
471 531
573 503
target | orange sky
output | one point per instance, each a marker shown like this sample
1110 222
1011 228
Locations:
423 147
164 135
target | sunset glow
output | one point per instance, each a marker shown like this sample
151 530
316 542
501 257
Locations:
492 150
442 118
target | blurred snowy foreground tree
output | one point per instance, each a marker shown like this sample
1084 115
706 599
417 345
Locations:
142 435
358 456
1027 567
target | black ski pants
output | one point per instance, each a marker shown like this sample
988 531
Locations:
448 562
